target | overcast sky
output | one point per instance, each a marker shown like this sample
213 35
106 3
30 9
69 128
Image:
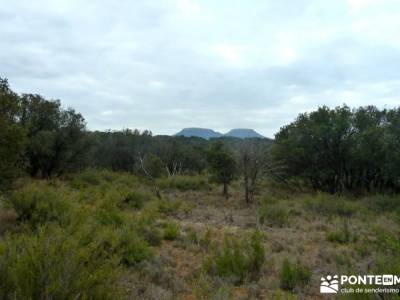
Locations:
165 65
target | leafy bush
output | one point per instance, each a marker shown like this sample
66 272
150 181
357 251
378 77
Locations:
237 259
383 203
274 213
151 235
330 205
38 204
86 178
171 231
184 183
388 253
137 199
293 275
169 207
124 245
341 235
53 265
109 216
134 248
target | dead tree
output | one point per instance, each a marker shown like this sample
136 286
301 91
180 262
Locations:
256 163
150 177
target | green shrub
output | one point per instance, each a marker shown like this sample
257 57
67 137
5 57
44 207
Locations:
205 240
388 253
137 199
237 259
383 203
85 179
293 275
184 183
38 204
124 245
274 213
53 265
330 205
109 216
134 249
169 207
341 235
171 231
191 236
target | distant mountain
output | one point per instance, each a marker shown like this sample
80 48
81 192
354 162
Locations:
199 132
206 133
243 133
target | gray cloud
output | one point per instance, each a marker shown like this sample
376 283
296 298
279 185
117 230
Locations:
164 65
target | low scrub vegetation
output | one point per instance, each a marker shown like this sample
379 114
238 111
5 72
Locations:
184 182
329 205
38 204
274 212
171 231
54 265
342 234
294 275
237 259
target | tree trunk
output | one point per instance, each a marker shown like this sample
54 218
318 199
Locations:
225 191
246 190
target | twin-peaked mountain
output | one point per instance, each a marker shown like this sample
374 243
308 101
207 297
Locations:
206 133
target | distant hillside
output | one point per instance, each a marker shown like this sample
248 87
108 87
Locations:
199 132
244 133
206 133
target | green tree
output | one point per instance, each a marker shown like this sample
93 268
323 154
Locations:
57 141
341 149
12 135
222 165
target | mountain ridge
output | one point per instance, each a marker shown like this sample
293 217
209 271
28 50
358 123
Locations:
207 133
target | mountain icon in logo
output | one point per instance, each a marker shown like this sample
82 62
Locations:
329 285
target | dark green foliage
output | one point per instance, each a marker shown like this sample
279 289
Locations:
336 150
222 165
12 136
153 165
293 275
56 137
137 199
237 259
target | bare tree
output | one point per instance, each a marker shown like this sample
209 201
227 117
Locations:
150 176
256 163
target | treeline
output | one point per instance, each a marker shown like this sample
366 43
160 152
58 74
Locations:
40 138
334 150
338 150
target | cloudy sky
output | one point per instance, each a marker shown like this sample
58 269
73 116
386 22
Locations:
168 64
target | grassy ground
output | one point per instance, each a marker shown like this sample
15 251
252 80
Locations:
102 233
